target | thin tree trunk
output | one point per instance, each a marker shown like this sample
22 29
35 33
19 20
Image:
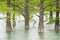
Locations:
51 13
14 21
57 15
26 15
41 22
8 21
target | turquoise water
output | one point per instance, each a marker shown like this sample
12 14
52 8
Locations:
19 33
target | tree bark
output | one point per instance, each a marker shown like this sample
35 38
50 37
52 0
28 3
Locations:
41 22
57 15
8 21
26 15
14 21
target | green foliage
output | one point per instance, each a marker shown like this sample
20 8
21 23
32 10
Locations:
33 6
2 0
51 20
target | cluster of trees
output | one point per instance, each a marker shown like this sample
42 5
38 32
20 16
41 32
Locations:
26 7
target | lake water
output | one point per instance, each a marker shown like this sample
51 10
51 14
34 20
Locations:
19 33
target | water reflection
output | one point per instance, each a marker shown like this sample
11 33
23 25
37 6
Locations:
9 36
57 32
41 36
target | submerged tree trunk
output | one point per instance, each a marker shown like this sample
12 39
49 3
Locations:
41 22
26 15
14 21
8 21
57 15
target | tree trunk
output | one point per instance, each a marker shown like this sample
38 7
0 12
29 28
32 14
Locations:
26 15
51 13
57 15
41 23
8 21
14 21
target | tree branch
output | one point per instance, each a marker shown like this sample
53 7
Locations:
48 5
20 9
37 15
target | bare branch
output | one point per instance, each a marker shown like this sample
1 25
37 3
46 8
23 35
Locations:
48 5
21 8
23 14
37 15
